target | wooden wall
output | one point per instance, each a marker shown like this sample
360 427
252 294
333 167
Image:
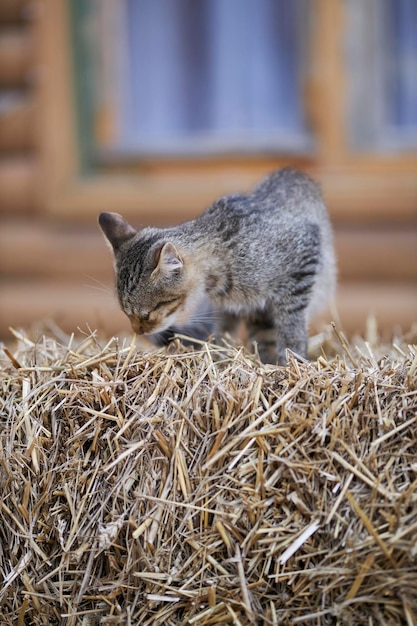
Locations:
53 261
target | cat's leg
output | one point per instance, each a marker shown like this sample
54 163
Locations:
199 332
199 326
163 338
277 328
262 330
227 323
291 331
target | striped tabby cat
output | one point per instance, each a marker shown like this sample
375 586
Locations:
266 256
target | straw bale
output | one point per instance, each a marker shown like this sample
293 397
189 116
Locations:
200 487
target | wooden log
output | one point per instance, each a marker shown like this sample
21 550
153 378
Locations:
79 255
17 123
366 195
394 305
80 252
377 253
25 303
18 185
16 57
383 196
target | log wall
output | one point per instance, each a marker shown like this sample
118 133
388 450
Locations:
54 263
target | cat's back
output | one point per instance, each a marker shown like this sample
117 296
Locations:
284 202
293 216
286 194
288 191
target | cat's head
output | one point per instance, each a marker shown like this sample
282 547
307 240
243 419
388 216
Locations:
153 284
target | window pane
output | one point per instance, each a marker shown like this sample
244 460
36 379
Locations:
382 67
402 71
211 73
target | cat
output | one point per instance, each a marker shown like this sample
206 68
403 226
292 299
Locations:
266 256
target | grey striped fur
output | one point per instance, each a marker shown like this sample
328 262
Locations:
266 256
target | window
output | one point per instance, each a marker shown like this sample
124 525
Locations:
174 77
382 64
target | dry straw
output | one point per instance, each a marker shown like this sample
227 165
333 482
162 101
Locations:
198 487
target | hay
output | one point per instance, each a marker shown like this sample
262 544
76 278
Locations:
198 487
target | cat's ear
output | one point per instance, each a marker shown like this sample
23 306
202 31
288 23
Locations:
169 259
116 229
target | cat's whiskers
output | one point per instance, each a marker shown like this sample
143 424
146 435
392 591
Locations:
100 287
203 319
206 315
99 283
196 322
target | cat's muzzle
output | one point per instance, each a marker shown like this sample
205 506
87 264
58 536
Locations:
142 327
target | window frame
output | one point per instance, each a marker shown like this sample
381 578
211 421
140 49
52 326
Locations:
96 32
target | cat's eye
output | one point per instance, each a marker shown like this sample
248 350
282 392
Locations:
165 303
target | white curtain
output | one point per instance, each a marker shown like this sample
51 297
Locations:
201 69
402 75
